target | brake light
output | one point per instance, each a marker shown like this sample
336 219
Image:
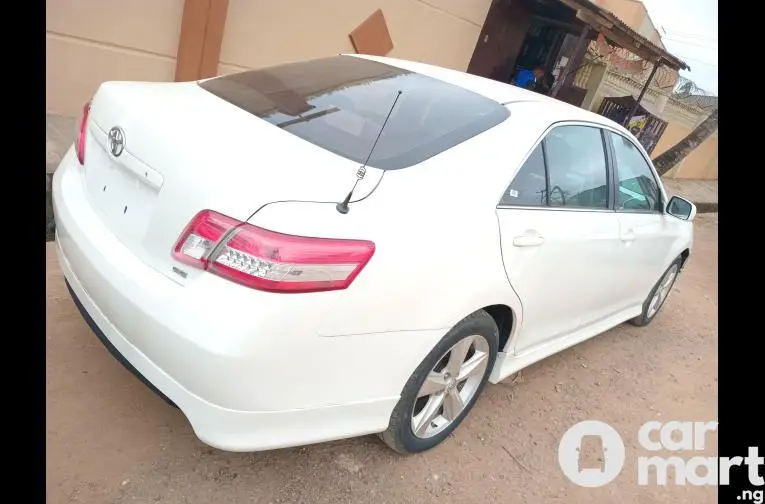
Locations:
270 261
80 144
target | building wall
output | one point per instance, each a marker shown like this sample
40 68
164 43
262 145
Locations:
700 164
441 32
649 31
629 11
635 15
92 41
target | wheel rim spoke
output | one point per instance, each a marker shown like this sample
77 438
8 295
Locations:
655 302
474 365
457 356
453 404
421 422
668 280
433 384
662 291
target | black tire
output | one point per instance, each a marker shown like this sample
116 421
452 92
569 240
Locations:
643 319
399 435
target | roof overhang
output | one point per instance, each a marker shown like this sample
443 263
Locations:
622 35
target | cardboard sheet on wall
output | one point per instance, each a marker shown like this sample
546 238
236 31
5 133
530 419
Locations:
372 36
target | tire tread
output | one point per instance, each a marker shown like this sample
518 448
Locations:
391 436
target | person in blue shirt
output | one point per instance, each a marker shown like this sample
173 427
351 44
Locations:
528 79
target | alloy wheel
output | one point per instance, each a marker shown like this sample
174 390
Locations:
662 291
450 386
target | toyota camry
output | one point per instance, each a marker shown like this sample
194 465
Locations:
353 245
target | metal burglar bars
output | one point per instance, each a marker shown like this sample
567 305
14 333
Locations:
648 128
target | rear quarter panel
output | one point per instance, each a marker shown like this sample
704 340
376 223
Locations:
438 255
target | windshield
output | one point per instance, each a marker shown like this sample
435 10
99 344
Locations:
340 104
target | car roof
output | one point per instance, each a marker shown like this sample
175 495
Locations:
506 94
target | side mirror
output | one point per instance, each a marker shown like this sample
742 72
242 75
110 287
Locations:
681 208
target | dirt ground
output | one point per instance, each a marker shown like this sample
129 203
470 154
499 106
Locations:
111 440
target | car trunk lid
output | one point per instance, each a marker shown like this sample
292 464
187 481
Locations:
176 149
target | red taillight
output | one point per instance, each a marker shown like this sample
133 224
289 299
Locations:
80 145
267 260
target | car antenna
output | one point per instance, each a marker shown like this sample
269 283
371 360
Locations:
342 207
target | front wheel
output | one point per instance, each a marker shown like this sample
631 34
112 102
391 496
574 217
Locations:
658 295
445 386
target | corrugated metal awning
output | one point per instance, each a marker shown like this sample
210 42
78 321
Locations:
622 35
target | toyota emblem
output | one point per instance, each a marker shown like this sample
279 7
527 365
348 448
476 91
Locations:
116 141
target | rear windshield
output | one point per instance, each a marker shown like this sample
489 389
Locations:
340 104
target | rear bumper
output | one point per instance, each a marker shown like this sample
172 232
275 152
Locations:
112 349
228 429
242 385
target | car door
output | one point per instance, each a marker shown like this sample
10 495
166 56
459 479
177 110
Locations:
560 236
646 233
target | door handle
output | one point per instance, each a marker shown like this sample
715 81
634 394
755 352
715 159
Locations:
528 240
628 236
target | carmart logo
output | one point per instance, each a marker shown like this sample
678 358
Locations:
653 436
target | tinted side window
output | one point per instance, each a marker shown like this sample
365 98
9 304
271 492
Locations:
576 162
529 187
638 189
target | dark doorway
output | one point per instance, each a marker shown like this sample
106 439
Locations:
540 49
501 39
523 34
541 45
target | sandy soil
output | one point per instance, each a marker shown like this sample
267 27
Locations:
110 440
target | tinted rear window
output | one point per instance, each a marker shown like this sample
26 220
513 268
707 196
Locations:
340 104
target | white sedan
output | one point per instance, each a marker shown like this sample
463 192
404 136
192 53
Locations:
353 245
